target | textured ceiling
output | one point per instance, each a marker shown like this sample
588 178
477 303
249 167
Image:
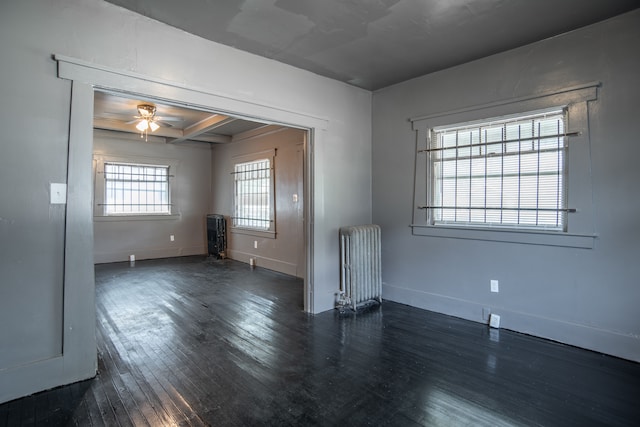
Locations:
376 43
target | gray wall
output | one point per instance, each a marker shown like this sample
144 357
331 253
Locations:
283 252
115 238
35 117
585 297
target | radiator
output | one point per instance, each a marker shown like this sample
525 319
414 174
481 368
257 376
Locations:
216 235
360 265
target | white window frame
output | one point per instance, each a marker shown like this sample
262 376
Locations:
100 196
579 227
500 172
239 222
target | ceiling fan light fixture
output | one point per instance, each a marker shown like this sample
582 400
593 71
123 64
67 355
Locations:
146 114
146 110
144 125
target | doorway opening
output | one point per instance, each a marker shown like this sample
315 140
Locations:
198 147
189 155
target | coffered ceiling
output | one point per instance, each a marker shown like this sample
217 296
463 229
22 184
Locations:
177 124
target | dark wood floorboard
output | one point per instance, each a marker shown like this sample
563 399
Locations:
195 342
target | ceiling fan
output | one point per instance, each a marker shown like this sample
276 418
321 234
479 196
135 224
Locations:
147 120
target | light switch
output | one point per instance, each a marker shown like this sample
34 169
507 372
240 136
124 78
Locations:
295 198
58 193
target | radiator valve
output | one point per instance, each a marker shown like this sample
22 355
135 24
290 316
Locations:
343 300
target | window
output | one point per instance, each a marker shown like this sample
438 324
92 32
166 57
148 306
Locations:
136 189
253 194
522 177
506 172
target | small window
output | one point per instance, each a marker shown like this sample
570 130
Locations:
136 189
505 172
253 195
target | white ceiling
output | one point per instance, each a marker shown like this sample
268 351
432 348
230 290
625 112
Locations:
376 43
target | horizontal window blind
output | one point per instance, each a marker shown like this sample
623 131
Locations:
136 189
508 172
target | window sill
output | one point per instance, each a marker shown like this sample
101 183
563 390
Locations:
527 237
257 233
111 218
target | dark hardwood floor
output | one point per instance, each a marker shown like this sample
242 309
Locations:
196 341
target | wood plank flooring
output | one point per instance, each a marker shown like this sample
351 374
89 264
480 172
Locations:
196 342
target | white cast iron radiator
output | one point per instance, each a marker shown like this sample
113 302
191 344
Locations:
360 265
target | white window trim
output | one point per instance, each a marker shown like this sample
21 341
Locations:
271 232
580 225
99 214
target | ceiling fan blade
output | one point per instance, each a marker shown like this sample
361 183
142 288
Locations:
169 118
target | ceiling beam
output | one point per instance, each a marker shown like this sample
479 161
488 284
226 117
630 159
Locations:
123 127
167 133
258 132
203 126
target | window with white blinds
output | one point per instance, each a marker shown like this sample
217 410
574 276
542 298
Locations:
253 195
136 189
503 172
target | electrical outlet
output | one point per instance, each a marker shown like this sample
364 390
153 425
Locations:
494 286
255 244
494 321
172 237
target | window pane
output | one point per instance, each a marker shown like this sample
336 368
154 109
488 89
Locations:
136 189
252 195
502 172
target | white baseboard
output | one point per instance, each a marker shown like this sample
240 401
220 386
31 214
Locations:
625 346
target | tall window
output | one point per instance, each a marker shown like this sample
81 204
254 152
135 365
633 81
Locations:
136 189
253 195
502 172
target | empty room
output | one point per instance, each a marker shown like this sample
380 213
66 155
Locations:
319 213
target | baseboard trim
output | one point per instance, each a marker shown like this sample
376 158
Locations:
261 261
119 256
603 341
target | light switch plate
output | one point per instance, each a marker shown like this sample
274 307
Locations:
58 193
494 286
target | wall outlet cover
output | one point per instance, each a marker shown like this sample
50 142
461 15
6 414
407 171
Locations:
494 321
